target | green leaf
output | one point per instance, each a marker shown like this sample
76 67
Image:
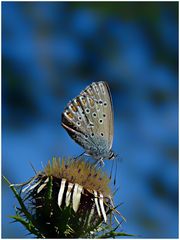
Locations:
28 225
49 187
18 197
31 223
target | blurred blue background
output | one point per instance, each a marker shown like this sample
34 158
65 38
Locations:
51 51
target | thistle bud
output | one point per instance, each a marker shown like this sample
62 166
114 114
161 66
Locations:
68 199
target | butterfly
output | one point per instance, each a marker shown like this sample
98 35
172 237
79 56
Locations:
88 119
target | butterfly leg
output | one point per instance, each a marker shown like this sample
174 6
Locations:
99 162
79 156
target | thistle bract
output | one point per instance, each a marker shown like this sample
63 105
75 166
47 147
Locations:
68 199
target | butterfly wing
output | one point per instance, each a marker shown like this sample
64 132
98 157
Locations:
101 112
88 119
77 124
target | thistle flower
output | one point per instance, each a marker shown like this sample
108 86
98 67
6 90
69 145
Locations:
68 199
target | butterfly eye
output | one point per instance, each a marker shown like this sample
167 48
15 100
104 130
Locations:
80 118
86 136
92 134
102 134
104 115
100 102
105 104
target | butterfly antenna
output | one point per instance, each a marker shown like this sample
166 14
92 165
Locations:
112 165
116 162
